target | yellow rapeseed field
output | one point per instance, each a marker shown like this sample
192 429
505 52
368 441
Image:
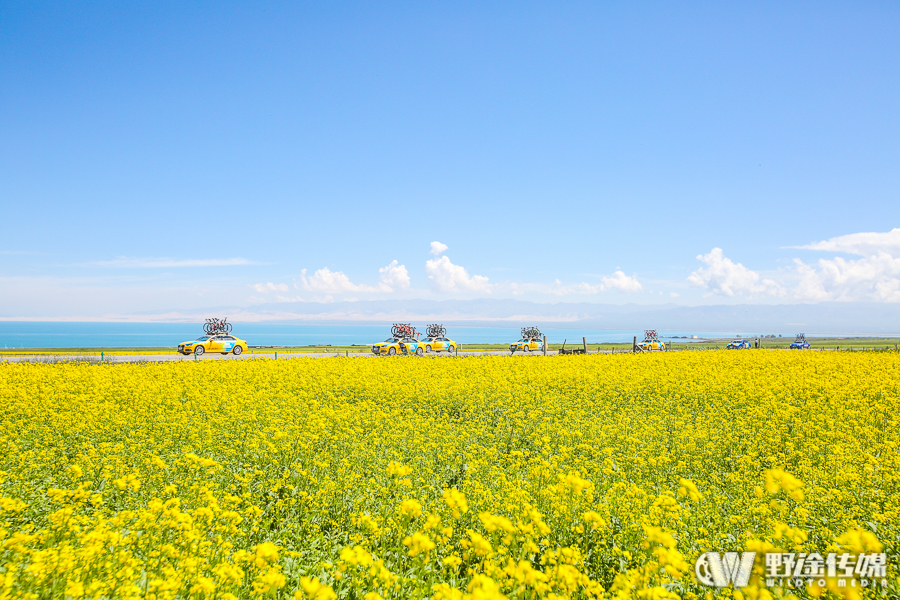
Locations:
480 477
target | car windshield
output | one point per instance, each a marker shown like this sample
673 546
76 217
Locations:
524 340
390 340
204 338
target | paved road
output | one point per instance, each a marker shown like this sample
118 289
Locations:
121 358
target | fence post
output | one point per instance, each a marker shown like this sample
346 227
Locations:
634 344
584 344
545 345
101 357
276 355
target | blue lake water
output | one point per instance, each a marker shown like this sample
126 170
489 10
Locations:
17 334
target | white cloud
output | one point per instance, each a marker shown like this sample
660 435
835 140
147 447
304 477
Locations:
393 277
327 281
722 276
621 282
170 263
558 289
873 278
265 288
438 248
618 281
863 244
447 277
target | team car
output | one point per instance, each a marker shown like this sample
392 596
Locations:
800 343
390 346
219 342
651 344
527 344
738 345
429 344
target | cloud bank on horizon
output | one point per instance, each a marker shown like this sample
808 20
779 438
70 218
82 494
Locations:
871 273
874 277
444 279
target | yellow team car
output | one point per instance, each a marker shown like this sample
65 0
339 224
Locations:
651 345
429 344
219 342
527 345
390 346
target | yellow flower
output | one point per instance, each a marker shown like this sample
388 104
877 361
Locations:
483 587
74 589
689 489
777 480
859 540
265 553
356 556
456 502
398 469
443 591
314 590
418 543
204 585
411 508
269 581
451 561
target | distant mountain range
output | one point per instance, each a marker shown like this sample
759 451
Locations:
826 317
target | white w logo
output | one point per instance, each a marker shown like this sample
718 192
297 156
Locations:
719 570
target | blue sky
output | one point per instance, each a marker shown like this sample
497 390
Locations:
174 156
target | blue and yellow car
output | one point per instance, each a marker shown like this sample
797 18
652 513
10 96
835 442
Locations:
739 345
429 344
390 346
651 345
222 343
527 345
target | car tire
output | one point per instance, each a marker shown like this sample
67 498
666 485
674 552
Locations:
237 350
427 348
199 350
451 349
392 351
419 352
526 348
